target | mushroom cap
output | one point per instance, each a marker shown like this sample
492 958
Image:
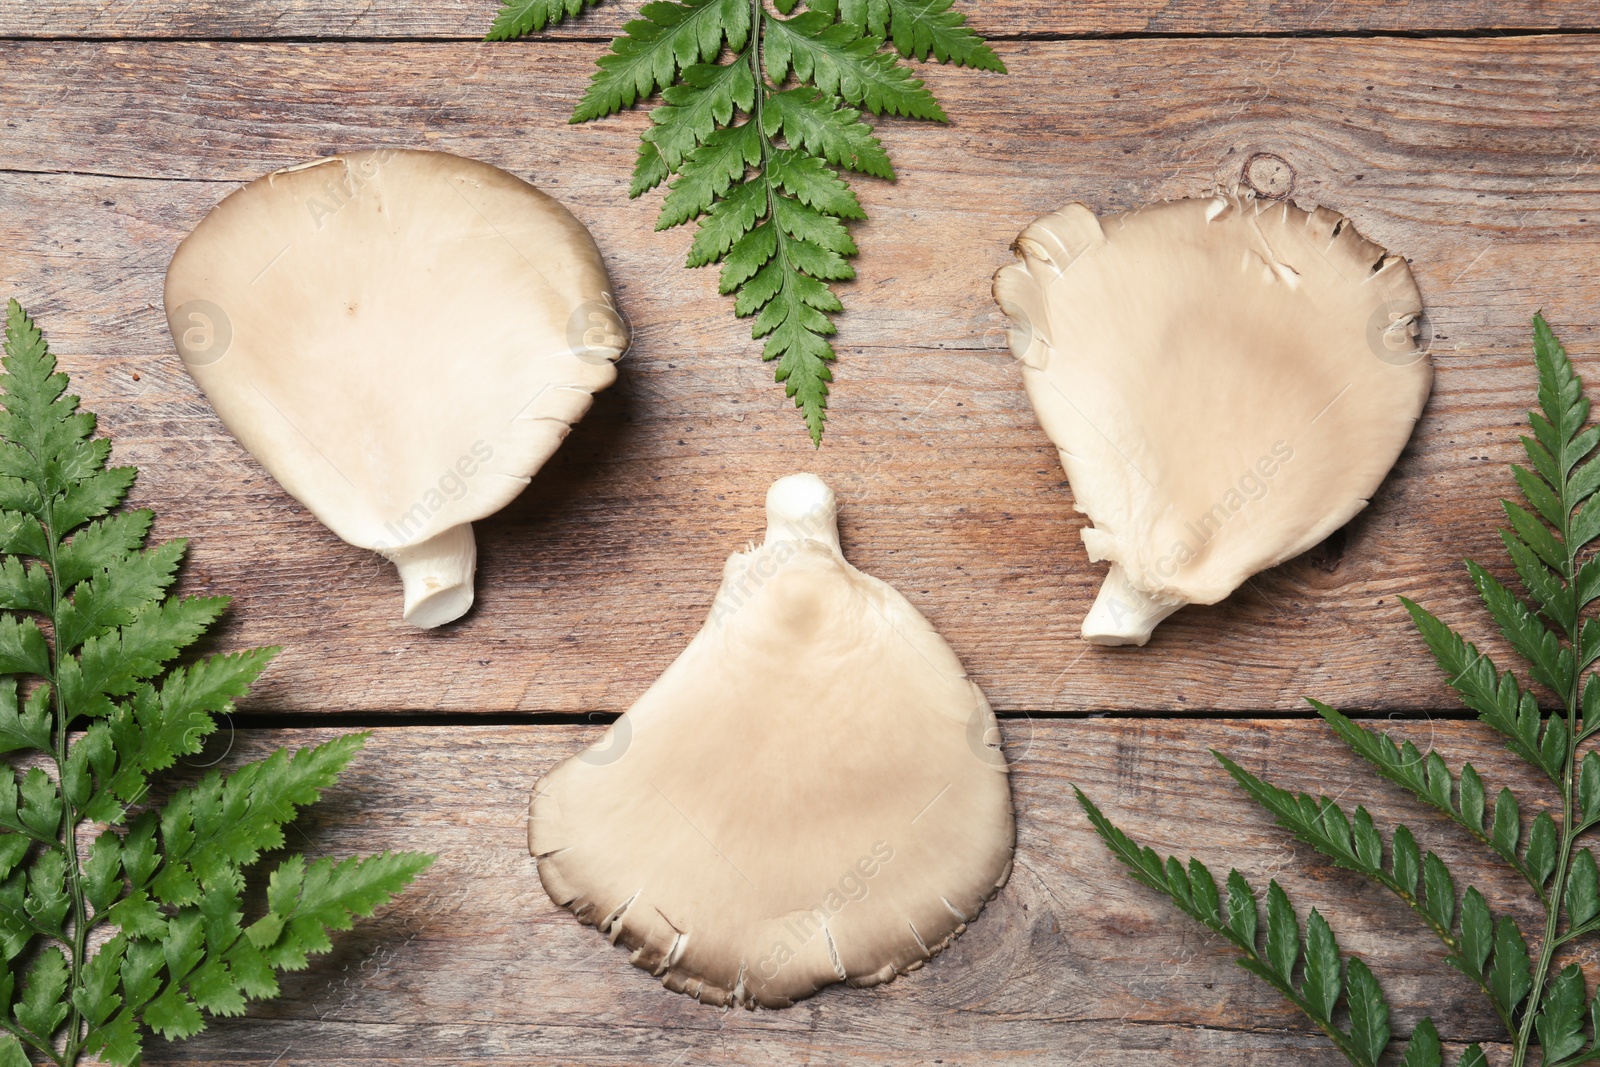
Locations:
813 792
1227 381
402 338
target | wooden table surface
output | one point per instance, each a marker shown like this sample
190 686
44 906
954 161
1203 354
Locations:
1463 135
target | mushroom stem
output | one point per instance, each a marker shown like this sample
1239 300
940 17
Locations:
801 507
1123 614
437 574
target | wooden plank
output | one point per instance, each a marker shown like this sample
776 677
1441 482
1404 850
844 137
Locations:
1001 18
1072 962
1468 156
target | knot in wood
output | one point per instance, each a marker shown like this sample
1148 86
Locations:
1269 176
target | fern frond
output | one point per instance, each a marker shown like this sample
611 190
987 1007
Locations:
760 111
1308 971
1430 780
1539 994
1423 882
168 879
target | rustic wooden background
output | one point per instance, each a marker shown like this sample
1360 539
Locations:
1461 134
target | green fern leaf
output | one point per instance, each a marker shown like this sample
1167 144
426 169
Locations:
731 218
113 664
152 728
1537 537
1422 881
1424 1048
28 727
1589 791
42 1007
706 96
796 326
918 29
1430 780
1542 495
1282 948
1565 408
1549 662
1499 701
756 112
1369 1013
1277 958
657 47
222 824
709 172
649 171
806 178
1323 968
306 901
23 586
823 128
117 597
1510 978
108 705
518 18
1556 598
1560 1020
1476 940
805 223
831 56
1540 856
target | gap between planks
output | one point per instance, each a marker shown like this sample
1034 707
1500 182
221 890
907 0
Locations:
402 718
1443 33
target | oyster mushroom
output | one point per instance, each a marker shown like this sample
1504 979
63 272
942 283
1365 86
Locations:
402 338
812 793
1227 380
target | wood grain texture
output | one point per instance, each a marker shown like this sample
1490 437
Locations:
1472 157
471 18
1071 963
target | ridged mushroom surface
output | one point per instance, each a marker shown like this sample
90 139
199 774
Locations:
813 792
402 339
1228 380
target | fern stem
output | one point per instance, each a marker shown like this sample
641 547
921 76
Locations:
1552 919
69 811
758 17
1569 781
28 1039
758 14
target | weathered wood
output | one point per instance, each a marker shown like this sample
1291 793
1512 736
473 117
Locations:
1467 155
1071 963
1470 156
471 18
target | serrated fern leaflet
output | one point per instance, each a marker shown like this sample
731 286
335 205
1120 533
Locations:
520 17
1531 978
166 881
760 111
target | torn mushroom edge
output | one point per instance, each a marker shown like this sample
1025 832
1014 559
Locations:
826 538
1019 293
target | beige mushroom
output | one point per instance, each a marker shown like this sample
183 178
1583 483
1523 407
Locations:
812 793
402 338
1227 380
